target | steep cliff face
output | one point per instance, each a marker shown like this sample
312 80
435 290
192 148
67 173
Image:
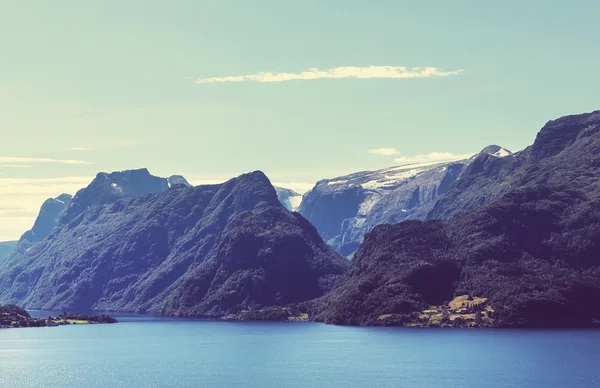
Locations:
130 243
527 240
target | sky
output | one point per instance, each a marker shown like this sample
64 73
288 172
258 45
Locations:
300 90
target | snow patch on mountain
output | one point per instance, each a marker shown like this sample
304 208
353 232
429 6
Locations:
497 151
502 152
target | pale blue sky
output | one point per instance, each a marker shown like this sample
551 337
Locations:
118 77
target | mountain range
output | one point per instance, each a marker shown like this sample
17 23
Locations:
499 239
132 242
345 208
521 233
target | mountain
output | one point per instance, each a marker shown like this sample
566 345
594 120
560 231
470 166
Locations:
178 180
562 154
6 248
128 242
47 219
107 188
344 209
521 248
288 198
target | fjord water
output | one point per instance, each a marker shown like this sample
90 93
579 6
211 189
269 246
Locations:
157 352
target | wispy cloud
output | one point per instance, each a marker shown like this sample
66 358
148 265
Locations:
432 157
367 72
19 160
81 149
383 151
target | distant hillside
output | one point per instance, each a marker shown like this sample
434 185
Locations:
47 219
128 242
530 248
6 248
288 198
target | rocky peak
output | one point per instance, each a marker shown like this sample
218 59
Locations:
496 150
107 187
559 134
253 187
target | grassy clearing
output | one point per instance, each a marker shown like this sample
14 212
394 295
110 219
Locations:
77 322
299 318
463 301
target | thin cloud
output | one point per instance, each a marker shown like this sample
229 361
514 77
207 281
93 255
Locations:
383 151
18 160
17 165
432 157
368 72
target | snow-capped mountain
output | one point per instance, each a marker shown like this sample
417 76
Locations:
344 209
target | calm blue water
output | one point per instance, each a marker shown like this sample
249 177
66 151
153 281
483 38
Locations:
155 352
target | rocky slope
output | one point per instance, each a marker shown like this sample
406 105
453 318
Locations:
344 209
128 242
529 249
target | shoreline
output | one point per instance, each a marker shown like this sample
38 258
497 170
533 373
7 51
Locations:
12 317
